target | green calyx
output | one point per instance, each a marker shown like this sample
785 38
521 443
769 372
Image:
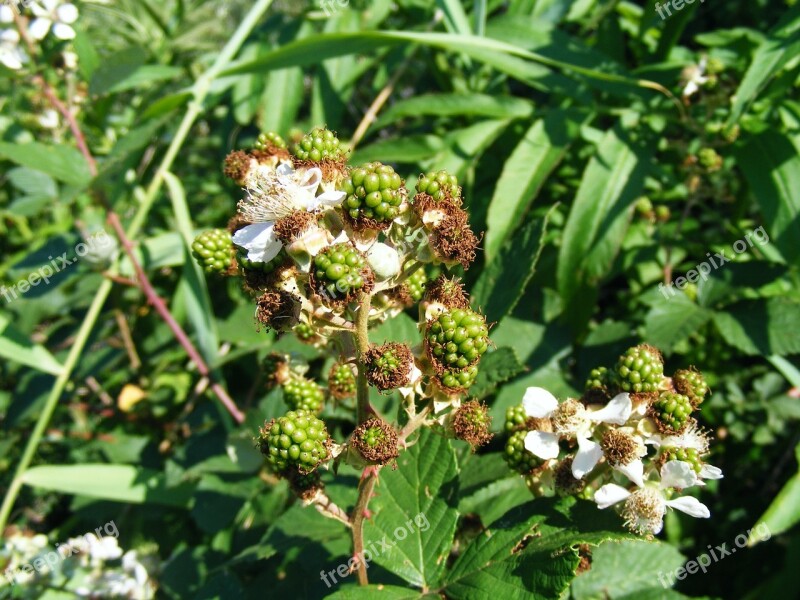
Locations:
318 145
373 192
457 338
213 250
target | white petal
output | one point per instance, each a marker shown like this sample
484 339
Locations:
538 402
634 471
332 198
285 169
10 60
311 179
616 412
677 474
9 37
38 28
50 5
691 506
259 240
610 494
542 444
586 458
67 13
63 32
710 472
6 14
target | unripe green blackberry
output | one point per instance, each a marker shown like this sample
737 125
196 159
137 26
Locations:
459 379
671 412
269 139
440 185
388 366
339 271
599 385
517 457
691 383
457 338
373 192
471 422
296 441
300 393
709 159
416 284
515 418
305 332
318 145
688 455
662 213
376 441
213 250
342 381
640 370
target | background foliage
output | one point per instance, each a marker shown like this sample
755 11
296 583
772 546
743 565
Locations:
574 111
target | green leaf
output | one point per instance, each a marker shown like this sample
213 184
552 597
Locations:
60 162
452 105
16 347
627 567
414 512
524 172
495 368
198 302
120 483
763 326
672 319
597 222
502 283
382 592
783 513
531 552
771 165
782 45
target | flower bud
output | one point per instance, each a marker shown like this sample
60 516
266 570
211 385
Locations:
384 260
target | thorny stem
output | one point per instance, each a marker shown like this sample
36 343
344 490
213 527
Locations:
200 90
365 487
362 345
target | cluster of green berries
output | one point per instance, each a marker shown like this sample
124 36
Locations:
471 423
296 441
709 159
318 145
338 270
457 338
269 139
304 332
416 284
213 250
374 192
600 381
263 267
440 185
517 456
672 411
515 418
691 383
373 436
459 379
688 455
303 394
342 381
640 370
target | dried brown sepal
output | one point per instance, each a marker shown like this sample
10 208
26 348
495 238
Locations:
453 240
304 485
423 203
333 170
237 166
448 292
566 483
288 229
646 398
401 295
376 441
276 369
585 562
534 424
270 153
278 310
362 223
388 366
236 222
471 423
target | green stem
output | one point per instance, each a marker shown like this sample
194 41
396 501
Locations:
199 91
362 345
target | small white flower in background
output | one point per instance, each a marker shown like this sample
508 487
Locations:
11 55
645 507
694 77
49 119
55 15
571 418
103 549
271 195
